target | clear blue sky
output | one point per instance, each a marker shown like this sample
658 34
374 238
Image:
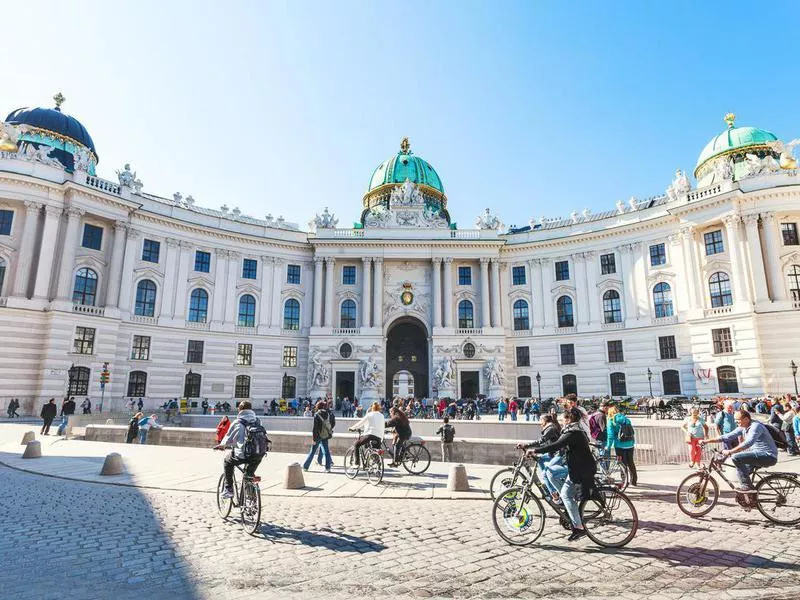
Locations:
286 107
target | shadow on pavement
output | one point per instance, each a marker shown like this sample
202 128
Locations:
696 556
659 526
324 537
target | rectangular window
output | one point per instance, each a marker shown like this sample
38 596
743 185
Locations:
723 343
523 356
194 354
92 237
140 350
608 264
293 274
658 255
714 243
567 354
518 275
150 251
788 231
615 351
464 276
290 356
6 217
244 354
348 275
84 340
666 347
202 261
249 268
562 270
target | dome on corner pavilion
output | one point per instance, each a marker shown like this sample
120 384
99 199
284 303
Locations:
54 121
405 165
734 139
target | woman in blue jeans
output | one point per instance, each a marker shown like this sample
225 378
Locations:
550 465
581 467
321 432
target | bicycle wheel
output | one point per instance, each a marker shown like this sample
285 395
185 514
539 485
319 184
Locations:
504 479
778 498
613 472
374 468
697 494
609 517
350 467
224 505
416 459
251 506
518 516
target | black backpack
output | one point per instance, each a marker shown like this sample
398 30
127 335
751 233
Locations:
256 442
625 433
449 433
777 436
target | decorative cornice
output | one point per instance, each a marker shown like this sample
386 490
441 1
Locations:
121 226
31 206
133 233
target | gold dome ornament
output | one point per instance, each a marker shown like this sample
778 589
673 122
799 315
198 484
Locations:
730 119
405 146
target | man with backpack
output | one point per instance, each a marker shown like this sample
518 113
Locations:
448 434
248 442
621 436
321 432
597 423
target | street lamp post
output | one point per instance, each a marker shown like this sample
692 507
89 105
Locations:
794 376
650 380
539 387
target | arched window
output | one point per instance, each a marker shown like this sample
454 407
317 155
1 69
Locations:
2 274
618 385
612 311
137 383
145 299
662 300
198 306
564 310
671 381
794 282
569 385
521 320
291 314
79 385
288 386
191 385
719 286
347 315
726 378
247 312
524 386
85 290
242 387
465 315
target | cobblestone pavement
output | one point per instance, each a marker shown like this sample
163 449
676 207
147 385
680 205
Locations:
67 539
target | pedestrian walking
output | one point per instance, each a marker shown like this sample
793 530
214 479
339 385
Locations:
204 405
140 404
696 431
223 426
145 425
321 432
12 408
725 423
513 407
447 433
68 407
620 436
787 419
48 413
133 428
86 405
502 408
597 423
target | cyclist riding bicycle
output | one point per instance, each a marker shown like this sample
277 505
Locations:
757 450
373 425
402 433
581 467
550 465
235 439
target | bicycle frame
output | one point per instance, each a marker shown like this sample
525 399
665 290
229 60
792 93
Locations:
715 466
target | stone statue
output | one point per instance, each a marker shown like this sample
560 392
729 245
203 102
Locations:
236 212
126 176
786 151
406 194
679 186
82 159
369 372
634 203
494 372
573 216
319 372
189 200
177 197
444 375
723 170
620 207
488 221
326 220
9 135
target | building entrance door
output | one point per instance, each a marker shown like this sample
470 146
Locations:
470 384
345 385
407 357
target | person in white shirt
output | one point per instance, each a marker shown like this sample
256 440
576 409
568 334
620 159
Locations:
373 424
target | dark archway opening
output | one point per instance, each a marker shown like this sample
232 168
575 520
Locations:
407 350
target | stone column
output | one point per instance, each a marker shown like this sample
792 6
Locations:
436 282
548 302
485 314
267 296
535 285
366 291
277 288
24 267
180 300
64 289
772 241
128 260
220 285
580 282
693 299
756 259
231 314
114 274
317 317
447 303
737 263
377 296
41 288
592 274
496 313
628 279
640 254
330 272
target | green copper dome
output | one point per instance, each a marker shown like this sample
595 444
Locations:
404 165
733 139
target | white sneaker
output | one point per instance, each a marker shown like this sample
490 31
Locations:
227 493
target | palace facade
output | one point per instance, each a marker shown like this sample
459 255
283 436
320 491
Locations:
694 292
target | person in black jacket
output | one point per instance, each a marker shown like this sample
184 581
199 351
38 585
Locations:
581 467
48 413
402 433
133 428
551 466
68 407
321 432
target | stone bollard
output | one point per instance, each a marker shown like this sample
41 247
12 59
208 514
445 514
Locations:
33 450
293 479
28 436
113 465
457 480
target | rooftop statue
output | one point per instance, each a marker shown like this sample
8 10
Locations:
723 170
679 186
9 135
620 207
406 194
327 220
786 151
488 221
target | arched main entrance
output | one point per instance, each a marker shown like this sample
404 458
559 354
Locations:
407 351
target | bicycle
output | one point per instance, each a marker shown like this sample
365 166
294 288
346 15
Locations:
609 517
698 493
610 470
518 473
414 456
371 461
246 496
